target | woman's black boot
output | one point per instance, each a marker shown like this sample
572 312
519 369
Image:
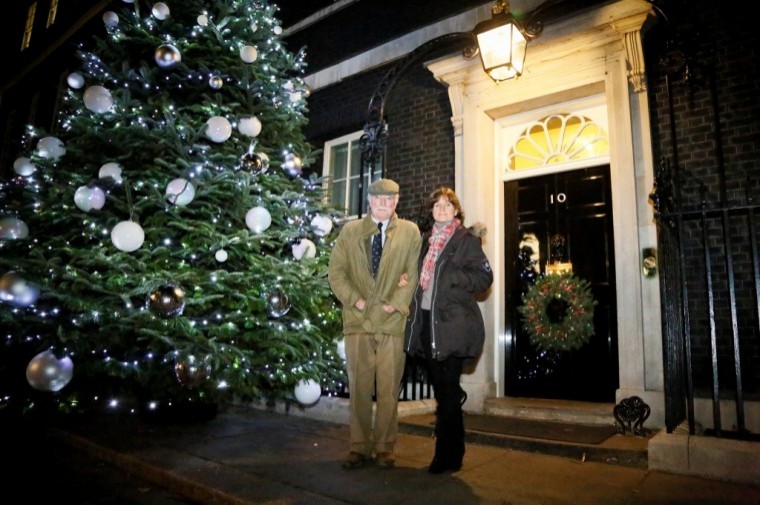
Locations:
440 462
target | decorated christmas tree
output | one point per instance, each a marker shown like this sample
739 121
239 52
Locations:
166 240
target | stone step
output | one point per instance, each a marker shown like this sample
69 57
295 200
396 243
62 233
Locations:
550 416
617 449
588 413
418 418
676 453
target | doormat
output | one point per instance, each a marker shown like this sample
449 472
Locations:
532 428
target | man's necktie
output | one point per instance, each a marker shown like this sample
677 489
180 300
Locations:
377 249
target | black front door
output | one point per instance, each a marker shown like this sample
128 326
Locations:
566 217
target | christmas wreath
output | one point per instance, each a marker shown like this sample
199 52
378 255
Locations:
558 312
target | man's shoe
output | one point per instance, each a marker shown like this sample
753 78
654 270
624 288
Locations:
385 460
354 460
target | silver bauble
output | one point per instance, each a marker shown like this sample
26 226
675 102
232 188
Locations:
215 82
278 304
167 300
13 228
45 372
191 371
167 56
264 160
251 162
17 292
292 165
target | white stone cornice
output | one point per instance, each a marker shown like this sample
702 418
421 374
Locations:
596 27
397 48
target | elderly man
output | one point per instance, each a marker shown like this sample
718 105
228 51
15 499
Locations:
373 273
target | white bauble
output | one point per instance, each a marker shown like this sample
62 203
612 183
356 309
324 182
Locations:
98 99
127 236
180 192
17 292
342 348
75 80
110 18
258 219
50 148
295 96
45 372
202 20
88 198
304 249
24 167
321 225
112 170
250 126
221 255
160 11
249 54
219 129
277 30
307 392
13 228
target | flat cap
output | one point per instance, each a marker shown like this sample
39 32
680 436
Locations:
383 187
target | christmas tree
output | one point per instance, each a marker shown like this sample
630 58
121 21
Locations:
167 240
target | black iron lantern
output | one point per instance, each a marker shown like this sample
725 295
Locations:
502 43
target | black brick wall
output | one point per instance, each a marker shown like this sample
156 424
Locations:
717 142
715 151
420 143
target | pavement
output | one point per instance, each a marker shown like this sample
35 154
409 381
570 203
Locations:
246 455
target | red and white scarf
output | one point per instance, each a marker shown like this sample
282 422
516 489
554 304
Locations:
437 241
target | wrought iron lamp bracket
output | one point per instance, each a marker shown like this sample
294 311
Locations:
372 141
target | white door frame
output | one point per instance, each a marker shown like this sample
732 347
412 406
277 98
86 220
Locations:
596 53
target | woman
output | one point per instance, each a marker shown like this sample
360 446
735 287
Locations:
445 325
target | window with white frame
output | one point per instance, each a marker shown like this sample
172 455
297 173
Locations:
27 38
52 13
342 168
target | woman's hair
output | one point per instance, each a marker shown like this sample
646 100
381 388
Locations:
425 219
451 197
424 214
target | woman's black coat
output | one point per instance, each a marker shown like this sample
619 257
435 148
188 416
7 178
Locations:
461 273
